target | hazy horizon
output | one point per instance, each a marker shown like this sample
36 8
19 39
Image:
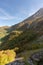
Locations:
13 11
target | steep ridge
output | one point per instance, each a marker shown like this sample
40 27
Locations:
26 23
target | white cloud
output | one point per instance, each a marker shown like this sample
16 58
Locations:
27 12
6 15
6 18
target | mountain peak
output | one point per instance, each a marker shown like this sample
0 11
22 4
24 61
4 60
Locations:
41 9
27 22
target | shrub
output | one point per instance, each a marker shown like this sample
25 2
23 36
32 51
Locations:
7 56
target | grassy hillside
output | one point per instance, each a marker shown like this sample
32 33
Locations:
25 36
31 38
26 40
3 32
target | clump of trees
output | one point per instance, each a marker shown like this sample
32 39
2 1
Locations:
7 56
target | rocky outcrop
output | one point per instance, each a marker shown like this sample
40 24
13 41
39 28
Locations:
37 56
16 63
34 57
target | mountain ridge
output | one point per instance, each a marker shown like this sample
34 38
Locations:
30 35
26 23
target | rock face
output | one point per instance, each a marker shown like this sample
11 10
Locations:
16 63
37 56
21 63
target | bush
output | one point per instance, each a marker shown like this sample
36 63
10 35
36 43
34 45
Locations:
7 56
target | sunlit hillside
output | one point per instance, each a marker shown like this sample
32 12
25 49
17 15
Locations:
23 39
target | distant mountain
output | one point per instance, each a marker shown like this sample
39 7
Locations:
4 28
3 31
27 34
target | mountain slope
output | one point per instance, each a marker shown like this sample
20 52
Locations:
32 38
29 34
3 32
26 23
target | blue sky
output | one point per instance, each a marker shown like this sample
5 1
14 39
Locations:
15 11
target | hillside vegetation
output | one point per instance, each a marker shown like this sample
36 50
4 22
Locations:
7 56
31 38
24 36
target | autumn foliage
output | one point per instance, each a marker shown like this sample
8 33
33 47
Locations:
7 56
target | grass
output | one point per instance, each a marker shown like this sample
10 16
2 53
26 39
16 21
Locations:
27 54
26 63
